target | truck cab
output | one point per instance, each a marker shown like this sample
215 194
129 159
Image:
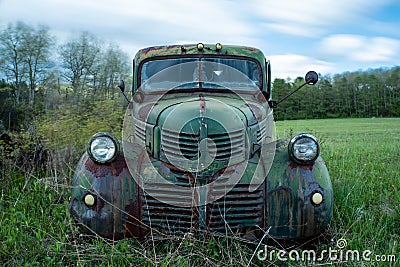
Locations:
199 154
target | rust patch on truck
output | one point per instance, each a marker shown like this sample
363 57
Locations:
101 170
294 165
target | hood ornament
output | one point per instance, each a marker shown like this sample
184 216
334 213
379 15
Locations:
207 147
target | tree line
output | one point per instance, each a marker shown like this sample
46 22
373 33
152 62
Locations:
371 93
37 75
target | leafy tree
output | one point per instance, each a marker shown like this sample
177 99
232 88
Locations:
111 66
38 50
25 56
114 67
25 60
280 89
13 54
78 58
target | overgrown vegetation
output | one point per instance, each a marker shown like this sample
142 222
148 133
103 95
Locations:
362 156
67 129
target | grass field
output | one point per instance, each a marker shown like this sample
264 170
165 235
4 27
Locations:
363 158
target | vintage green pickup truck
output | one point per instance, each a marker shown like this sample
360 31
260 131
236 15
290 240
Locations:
199 154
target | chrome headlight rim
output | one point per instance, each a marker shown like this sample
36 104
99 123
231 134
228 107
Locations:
297 138
109 136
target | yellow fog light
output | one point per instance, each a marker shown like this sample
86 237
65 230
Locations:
89 200
218 46
317 198
200 46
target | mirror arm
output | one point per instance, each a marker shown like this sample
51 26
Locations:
311 79
276 103
126 98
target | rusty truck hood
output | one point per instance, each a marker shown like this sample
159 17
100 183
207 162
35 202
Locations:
194 107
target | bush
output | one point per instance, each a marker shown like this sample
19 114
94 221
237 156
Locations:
22 152
67 130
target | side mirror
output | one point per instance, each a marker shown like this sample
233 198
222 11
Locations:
121 86
311 78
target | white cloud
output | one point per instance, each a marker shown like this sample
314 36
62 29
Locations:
361 48
156 21
311 17
292 65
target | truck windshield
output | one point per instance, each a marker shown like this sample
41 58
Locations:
193 73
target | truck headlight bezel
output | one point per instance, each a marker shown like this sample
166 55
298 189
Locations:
303 148
103 148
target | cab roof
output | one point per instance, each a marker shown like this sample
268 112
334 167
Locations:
199 49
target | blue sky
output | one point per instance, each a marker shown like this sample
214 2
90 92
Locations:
296 36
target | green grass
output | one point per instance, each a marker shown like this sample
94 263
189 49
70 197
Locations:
363 159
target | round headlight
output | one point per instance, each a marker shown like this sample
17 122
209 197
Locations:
103 148
304 148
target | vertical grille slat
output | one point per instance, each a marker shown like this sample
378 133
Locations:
239 208
225 145
171 219
262 131
140 131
